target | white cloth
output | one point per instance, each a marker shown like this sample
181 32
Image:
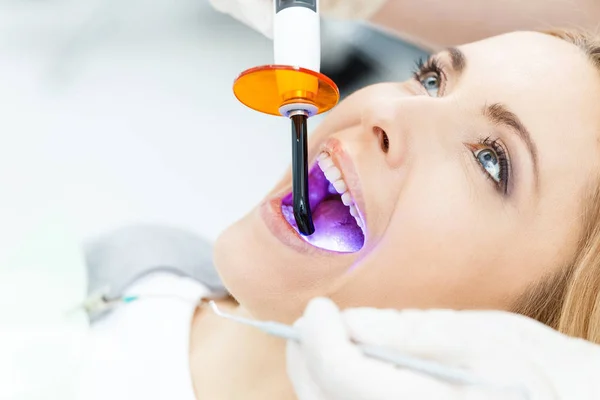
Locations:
141 349
523 358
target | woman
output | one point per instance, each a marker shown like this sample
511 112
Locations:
474 186
473 189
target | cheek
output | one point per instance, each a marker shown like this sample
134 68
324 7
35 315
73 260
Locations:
449 244
441 225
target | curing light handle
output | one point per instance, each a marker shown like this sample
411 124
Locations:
297 33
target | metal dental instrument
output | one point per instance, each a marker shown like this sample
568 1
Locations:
294 88
433 369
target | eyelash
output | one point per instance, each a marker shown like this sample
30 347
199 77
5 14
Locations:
503 160
430 66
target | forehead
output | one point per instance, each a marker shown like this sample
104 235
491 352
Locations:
530 66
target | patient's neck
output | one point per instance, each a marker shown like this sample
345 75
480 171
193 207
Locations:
232 361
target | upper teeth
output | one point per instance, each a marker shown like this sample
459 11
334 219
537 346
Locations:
334 176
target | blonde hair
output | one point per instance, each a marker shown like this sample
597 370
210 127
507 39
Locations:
570 300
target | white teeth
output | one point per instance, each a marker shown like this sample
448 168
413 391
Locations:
334 176
340 186
346 199
325 163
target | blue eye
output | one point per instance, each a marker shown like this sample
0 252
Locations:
430 75
493 158
489 161
431 83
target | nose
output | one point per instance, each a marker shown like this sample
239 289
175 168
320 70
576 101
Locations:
379 120
393 122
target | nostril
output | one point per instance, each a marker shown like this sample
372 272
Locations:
384 141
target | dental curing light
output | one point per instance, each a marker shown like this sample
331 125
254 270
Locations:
294 88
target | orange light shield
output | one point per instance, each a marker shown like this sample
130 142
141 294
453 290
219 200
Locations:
270 88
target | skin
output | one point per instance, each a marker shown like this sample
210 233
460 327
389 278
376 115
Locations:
439 232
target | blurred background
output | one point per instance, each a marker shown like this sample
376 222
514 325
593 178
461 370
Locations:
123 112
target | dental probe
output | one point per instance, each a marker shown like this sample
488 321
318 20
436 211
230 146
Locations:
433 369
294 88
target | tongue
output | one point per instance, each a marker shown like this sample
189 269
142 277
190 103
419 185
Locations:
335 228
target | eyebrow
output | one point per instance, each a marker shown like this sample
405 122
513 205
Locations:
457 59
500 115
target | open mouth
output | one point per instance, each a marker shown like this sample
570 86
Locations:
338 224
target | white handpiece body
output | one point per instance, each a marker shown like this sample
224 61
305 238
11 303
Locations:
297 33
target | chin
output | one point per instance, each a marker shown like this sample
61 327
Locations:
271 269
259 274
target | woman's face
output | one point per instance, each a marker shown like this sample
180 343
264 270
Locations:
470 180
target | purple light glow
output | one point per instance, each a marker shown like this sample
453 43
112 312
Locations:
335 227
